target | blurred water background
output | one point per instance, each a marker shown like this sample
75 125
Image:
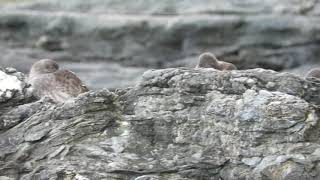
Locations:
110 43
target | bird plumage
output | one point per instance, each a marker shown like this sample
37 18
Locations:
315 72
209 60
60 85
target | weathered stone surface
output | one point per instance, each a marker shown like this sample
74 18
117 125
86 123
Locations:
12 85
173 7
13 92
174 124
272 34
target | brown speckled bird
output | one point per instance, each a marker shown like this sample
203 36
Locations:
209 60
315 72
59 85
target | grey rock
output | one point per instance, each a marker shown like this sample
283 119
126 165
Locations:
13 85
5 178
251 161
176 123
148 177
172 7
14 91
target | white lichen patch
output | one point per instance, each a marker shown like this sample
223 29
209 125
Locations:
253 161
79 177
8 84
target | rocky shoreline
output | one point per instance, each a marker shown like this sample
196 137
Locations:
150 115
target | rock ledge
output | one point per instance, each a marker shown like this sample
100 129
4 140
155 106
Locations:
174 124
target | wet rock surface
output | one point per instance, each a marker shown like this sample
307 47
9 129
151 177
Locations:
132 36
174 124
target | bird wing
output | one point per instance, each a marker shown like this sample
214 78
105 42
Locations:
230 66
68 83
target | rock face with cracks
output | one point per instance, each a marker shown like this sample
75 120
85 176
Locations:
174 124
